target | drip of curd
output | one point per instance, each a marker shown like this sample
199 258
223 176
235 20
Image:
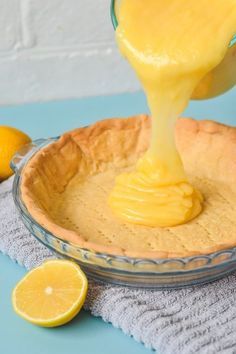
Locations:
171 45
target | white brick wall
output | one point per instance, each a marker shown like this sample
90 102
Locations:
54 49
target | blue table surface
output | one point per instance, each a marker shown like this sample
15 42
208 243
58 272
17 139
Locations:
85 334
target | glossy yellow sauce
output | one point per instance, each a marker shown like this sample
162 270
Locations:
172 45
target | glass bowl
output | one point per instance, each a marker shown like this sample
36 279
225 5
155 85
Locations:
218 81
135 272
114 7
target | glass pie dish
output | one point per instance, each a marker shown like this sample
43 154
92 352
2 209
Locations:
136 272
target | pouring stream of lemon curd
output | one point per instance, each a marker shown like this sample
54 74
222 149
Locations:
171 45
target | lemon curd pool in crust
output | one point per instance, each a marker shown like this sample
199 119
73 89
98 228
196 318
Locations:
65 187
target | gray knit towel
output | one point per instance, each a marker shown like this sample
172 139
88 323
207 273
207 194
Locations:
195 320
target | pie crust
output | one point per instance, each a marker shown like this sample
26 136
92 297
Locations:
65 188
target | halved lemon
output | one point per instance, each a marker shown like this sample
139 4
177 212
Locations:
52 294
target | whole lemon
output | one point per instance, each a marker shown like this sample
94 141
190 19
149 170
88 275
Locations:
11 140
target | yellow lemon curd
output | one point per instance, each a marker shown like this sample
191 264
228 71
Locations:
171 45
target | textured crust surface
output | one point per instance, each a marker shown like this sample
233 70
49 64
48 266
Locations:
78 171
